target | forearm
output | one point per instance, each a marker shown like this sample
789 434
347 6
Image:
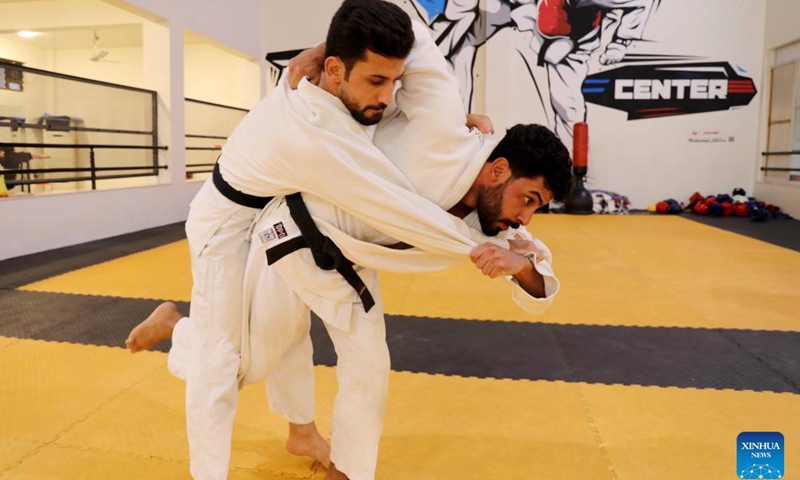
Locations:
536 292
530 280
536 278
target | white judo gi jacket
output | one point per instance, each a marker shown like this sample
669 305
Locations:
294 141
430 145
436 153
439 159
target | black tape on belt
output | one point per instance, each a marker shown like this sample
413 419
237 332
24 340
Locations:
326 254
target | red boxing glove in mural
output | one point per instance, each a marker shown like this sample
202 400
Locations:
565 34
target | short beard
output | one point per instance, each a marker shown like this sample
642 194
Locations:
490 207
360 114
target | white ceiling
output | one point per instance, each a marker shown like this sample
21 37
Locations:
110 36
115 28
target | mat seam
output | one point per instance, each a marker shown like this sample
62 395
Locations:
97 295
760 360
53 441
582 382
723 332
598 325
598 438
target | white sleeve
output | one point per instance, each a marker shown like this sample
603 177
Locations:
428 139
429 88
310 144
339 164
348 171
524 300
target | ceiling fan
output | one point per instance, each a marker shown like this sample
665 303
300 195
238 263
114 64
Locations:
97 53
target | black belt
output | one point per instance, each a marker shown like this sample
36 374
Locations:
326 254
236 196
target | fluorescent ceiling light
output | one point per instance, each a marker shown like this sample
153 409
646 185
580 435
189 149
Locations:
28 34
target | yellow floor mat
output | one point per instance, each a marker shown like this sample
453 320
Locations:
83 412
159 273
615 270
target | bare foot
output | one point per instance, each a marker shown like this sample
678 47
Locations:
334 474
305 440
154 329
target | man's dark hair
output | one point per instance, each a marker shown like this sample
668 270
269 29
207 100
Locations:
534 151
375 25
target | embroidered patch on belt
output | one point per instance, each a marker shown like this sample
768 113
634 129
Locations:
266 235
280 229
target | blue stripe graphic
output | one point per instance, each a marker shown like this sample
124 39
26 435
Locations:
432 7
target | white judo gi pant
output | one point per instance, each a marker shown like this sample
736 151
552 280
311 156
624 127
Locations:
276 346
217 230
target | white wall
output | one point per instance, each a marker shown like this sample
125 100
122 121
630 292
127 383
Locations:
51 221
31 56
214 75
781 22
298 24
235 24
781 29
122 66
60 14
36 223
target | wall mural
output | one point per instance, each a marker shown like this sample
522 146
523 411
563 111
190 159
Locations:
564 35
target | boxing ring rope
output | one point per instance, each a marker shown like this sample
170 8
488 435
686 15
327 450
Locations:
224 119
52 109
766 156
152 170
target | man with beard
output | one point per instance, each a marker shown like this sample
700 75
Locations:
454 175
510 186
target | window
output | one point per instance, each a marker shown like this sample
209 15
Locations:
10 78
783 134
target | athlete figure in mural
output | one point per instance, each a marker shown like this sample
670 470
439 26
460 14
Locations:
565 34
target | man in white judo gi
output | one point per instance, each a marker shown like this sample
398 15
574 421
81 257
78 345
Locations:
314 105
279 342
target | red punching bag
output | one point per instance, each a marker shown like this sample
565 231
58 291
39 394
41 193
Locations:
580 145
579 200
